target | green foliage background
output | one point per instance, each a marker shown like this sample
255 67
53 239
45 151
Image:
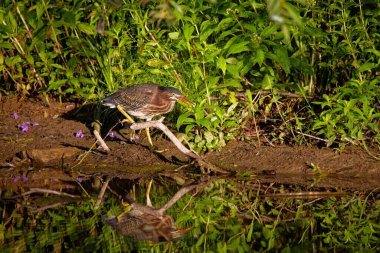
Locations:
319 60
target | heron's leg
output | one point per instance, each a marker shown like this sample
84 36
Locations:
128 119
148 201
149 138
126 115
127 208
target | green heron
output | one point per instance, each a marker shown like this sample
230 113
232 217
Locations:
146 227
147 223
144 101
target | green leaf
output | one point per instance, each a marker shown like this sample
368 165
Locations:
206 30
225 24
55 85
233 70
283 58
39 10
260 56
222 64
188 30
189 128
221 247
12 21
174 35
367 66
6 45
184 118
301 65
250 231
249 96
231 109
86 28
269 31
155 62
238 48
267 82
30 59
204 123
208 136
232 60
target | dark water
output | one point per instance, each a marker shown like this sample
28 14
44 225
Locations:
237 214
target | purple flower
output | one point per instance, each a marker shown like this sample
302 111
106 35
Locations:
15 115
68 106
136 137
79 134
112 135
80 179
23 127
18 178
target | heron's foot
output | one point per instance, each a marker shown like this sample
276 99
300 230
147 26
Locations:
129 134
126 115
127 208
127 121
159 151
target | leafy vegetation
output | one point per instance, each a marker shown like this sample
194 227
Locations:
274 71
224 55
237 215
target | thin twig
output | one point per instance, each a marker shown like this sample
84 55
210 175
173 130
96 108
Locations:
40 190
96 126
158 124
101 141
84 156
36 210
305 195
312 136
101 193
175 198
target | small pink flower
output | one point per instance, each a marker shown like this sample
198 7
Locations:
79 134
80 179
18 178
112 135
15 115
23 127
136 137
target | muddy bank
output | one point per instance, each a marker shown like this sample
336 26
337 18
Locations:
51 143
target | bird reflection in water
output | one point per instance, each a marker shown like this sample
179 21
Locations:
147 223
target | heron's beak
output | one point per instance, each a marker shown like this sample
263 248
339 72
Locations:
185 101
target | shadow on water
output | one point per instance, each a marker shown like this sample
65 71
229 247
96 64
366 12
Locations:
240 213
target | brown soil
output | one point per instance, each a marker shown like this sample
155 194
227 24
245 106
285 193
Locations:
50 149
